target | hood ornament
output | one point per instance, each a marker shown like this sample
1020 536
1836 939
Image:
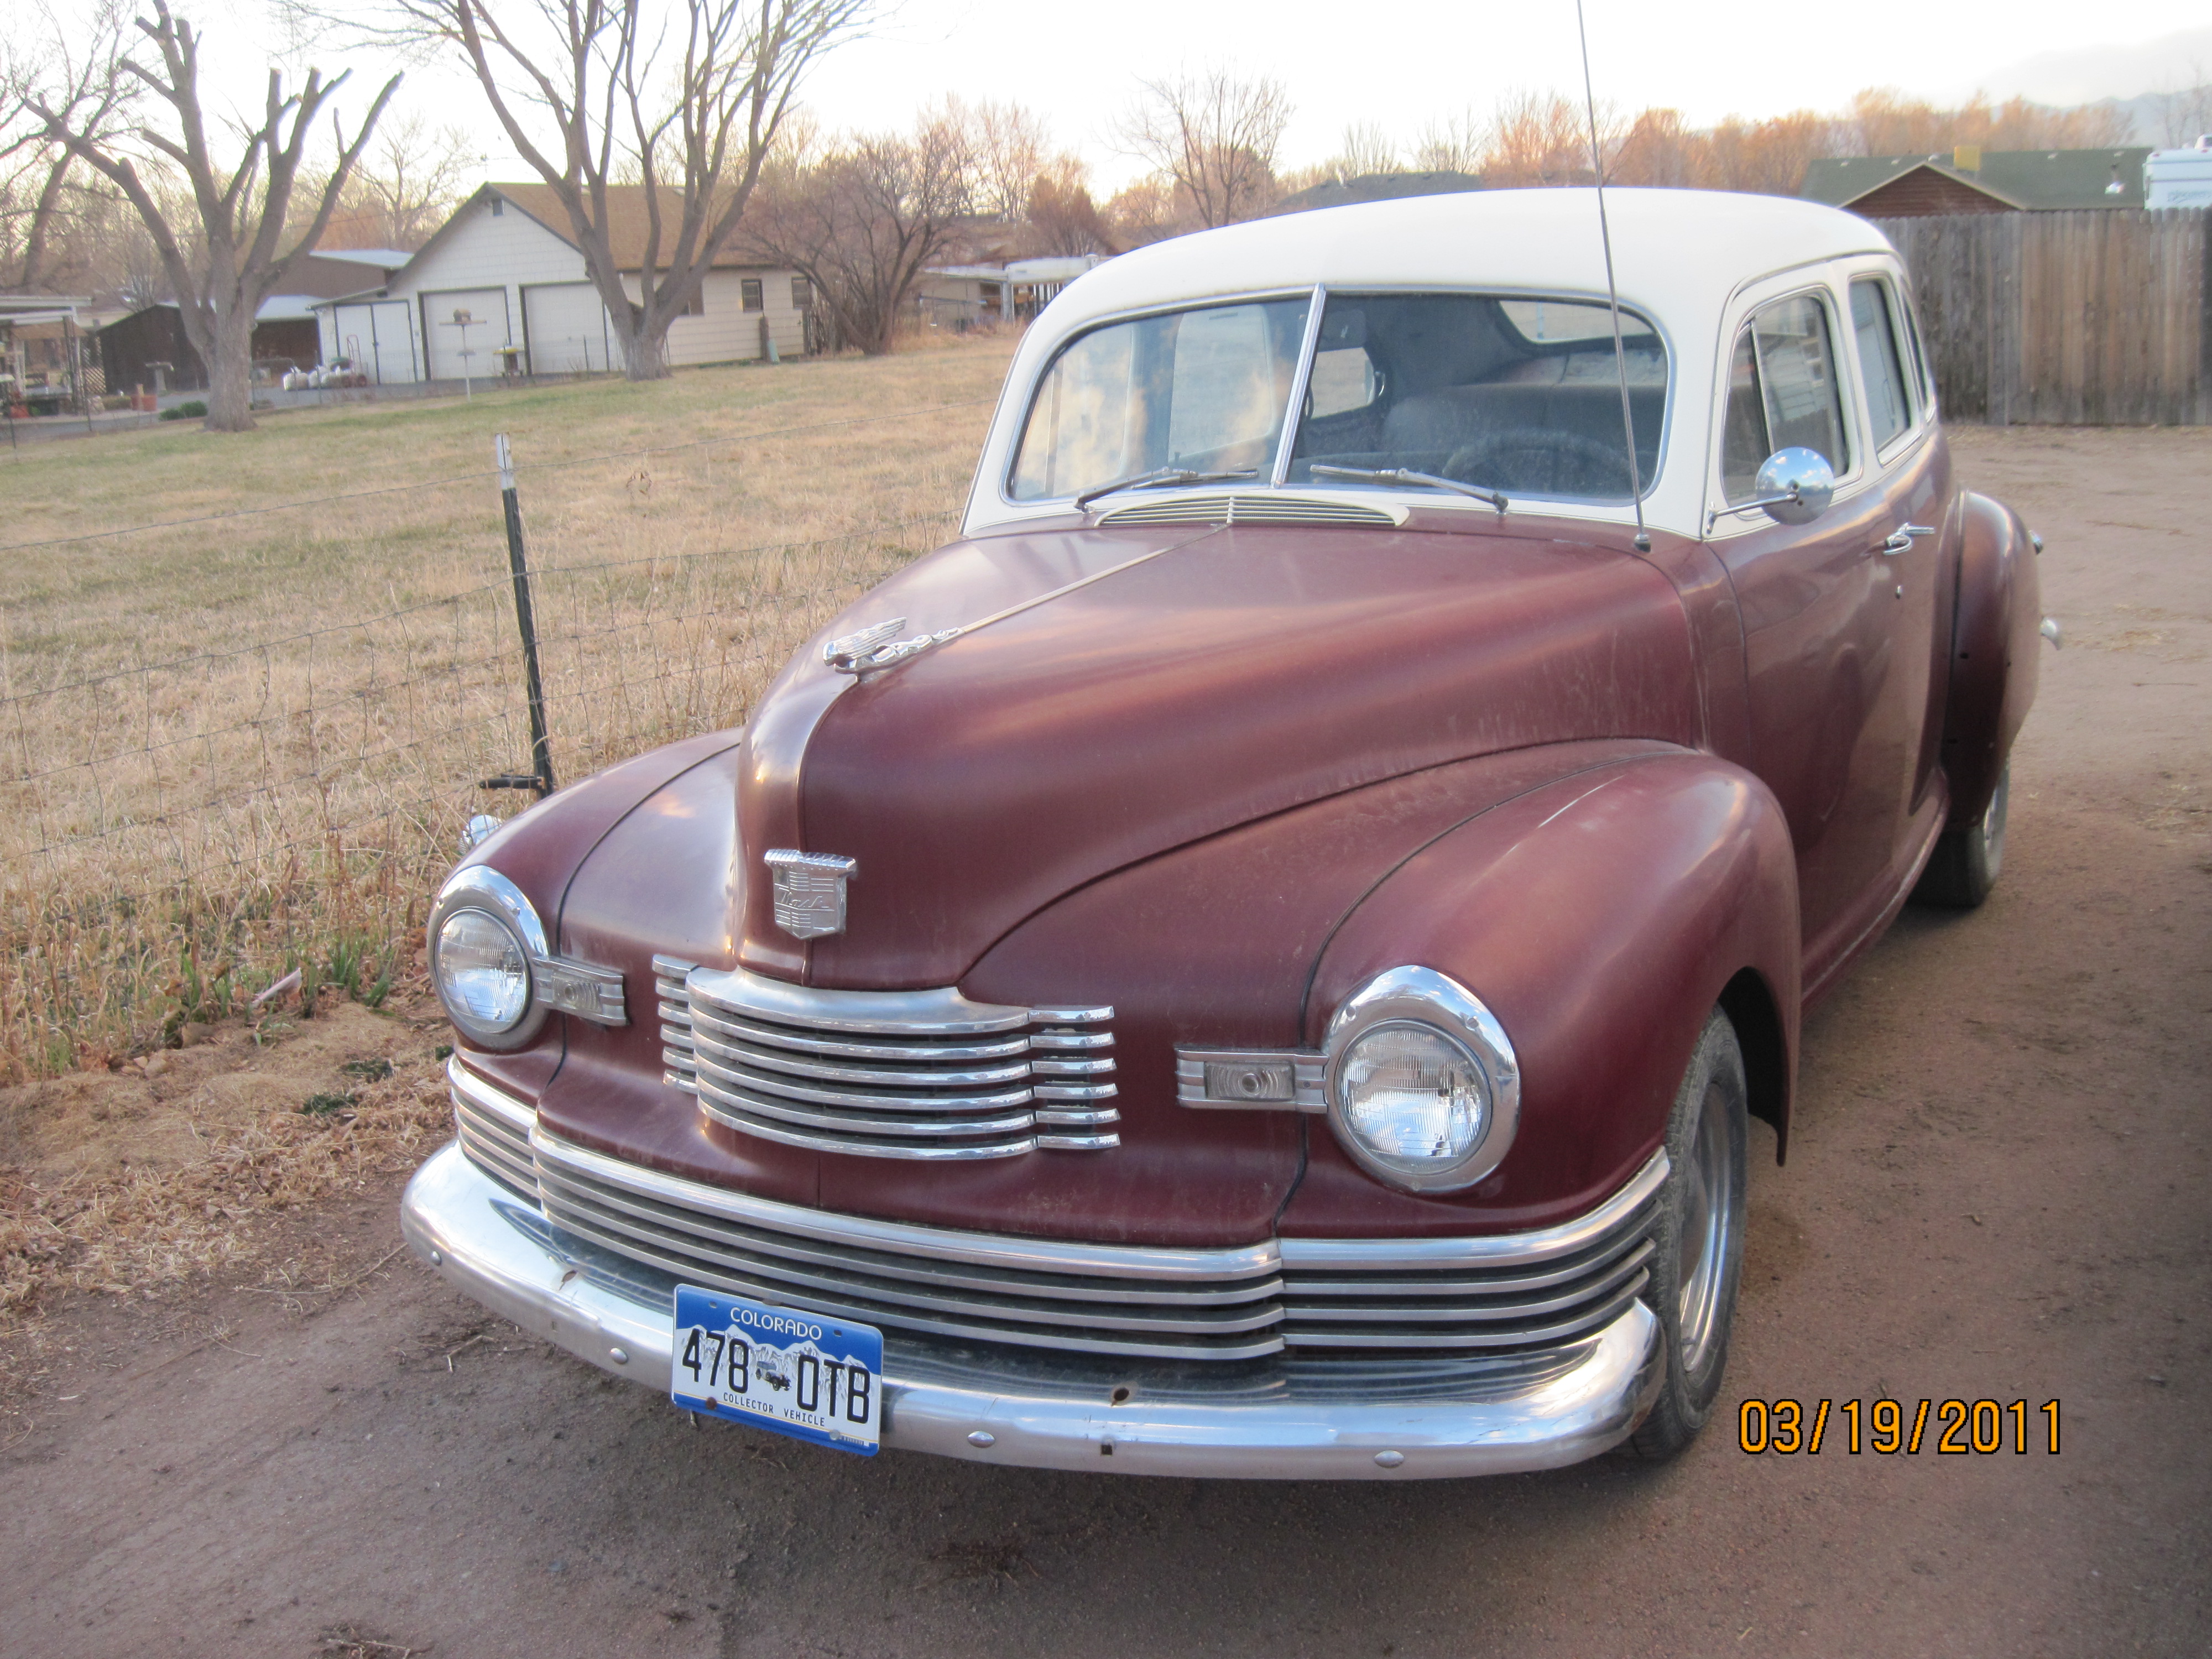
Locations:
810 890
873 649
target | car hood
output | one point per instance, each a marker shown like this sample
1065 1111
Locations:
1120 693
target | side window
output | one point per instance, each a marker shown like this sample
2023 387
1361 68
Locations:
1743 432
1881 366
1924 375
1783 393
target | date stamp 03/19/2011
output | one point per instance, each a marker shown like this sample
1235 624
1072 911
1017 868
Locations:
1955 1428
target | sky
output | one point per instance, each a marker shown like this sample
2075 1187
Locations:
1404 65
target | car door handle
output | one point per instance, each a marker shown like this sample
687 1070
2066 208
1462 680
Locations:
1901 540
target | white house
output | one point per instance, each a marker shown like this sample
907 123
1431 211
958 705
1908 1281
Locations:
502 287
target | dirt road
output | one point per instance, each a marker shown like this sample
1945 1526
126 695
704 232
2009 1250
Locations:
1997 1190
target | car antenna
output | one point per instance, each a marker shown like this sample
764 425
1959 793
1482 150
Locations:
1612 293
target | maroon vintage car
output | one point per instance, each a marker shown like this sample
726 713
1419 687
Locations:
1257 960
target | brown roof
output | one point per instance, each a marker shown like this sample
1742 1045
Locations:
626 221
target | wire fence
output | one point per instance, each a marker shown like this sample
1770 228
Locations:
175 835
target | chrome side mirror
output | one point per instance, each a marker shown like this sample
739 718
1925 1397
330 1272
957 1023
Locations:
1794 486
479 830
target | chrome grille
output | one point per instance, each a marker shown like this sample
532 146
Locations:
1315 1303
1186 1304
493 1130
1251 509
1508 1290
906 1074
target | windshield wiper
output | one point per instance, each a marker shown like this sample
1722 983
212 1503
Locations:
1159 477
1399 475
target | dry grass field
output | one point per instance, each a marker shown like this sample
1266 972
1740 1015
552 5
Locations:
241 741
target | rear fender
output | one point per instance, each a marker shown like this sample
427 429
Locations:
1600 919
1995 655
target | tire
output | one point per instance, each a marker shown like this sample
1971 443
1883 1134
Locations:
1699 1238
1966 862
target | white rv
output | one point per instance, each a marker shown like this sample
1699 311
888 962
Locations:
2179 178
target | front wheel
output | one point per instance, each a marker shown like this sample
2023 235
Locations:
1699 1240
1966 862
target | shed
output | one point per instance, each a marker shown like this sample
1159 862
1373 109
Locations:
502 284
1969 179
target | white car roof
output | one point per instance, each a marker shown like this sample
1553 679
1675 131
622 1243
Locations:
1678 256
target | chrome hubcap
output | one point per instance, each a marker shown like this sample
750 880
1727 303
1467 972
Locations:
1707 1203
1993 825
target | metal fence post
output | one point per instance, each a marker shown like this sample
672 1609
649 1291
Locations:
541 754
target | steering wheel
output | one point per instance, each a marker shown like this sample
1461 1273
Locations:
1541 461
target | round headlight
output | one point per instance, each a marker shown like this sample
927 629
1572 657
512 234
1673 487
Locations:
1412 1096
484 973
1424 1090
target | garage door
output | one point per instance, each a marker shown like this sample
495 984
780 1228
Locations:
567 329
464 328
380 336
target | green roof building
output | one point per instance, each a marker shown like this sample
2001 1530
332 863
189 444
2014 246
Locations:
1969 179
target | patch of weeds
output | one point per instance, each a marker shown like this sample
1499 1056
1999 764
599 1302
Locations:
352 1641
326 1105
443 1051
369 1070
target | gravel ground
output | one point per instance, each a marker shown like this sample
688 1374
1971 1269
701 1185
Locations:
1997 1190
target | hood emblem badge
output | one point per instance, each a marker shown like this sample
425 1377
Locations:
810 890
873 649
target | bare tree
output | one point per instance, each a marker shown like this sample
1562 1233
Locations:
1011 147
1061 215
1453 145
1147 211
1215 136
683 98
77 70
408 187
224 262
1538 138
1366 148
861 219
2185 113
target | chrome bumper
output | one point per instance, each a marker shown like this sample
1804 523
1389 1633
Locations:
1031 1411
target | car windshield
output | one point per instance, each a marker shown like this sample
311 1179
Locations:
1520 396
1202 391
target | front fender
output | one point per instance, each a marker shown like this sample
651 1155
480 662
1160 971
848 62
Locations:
1995 654
1600 919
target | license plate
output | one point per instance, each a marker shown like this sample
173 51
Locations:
800 1374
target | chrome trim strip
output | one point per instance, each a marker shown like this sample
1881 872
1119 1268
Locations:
1422 1255
714 1062
745 1031
1447 1340
860 1146
1294 411
719 1089
1377 1311
1045 1255
1100 1294
893 1013
1036 1409
900 1078
490 1098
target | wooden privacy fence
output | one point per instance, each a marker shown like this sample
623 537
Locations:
2096 318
